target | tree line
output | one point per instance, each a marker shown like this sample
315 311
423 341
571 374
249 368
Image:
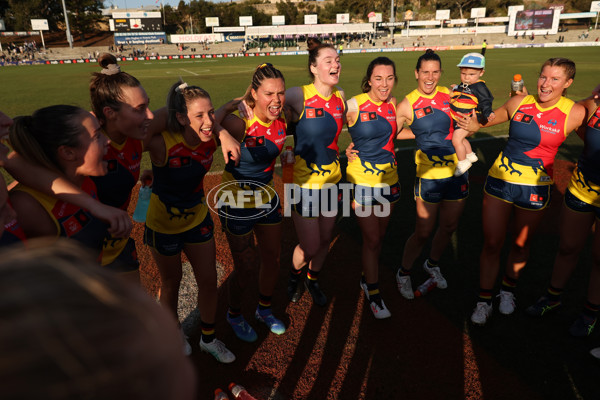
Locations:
85 16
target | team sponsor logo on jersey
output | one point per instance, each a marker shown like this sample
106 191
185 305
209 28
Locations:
252 130
112 165
522 117
423 112
254 141
180 162
368 116
75 223
315 113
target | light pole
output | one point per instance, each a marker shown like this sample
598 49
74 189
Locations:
392 19
69 37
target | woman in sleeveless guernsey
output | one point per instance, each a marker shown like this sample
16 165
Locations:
520 180
317 115
262 137
437 191
581 209
11 232
371 119
68 140
121 105
178 218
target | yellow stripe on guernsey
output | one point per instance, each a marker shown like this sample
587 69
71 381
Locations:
583 189
372 175
435 167
169 219
46 201
513 172
317 161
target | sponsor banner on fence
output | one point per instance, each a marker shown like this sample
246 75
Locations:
200 57
130 38
199 38
28 33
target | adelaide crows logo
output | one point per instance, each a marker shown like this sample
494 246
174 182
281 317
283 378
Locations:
315 113
522 117
368 116
422 112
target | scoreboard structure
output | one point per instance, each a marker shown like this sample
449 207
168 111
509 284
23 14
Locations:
138 27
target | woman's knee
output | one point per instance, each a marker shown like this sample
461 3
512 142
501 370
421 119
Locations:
569 249
493 244
372 242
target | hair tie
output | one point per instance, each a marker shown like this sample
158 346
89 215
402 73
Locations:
179 88
111 69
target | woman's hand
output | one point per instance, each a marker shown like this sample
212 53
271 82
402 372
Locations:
230 147
469 122
596 92
351 154
523 92
147 177
244 110
119 221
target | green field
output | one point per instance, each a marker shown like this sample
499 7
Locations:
538 353
27 88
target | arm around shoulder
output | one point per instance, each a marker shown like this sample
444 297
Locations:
294 100
54 184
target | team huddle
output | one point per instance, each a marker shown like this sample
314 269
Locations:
76 171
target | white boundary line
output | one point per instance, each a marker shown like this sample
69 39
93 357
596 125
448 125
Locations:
189 72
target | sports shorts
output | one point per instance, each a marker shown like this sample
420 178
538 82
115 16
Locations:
368 196
436 190
313 203
528 197
241 221
171 244
577 205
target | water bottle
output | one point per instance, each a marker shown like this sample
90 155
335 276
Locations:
425 287
240 393
220 395
516 84
287 165
141 208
